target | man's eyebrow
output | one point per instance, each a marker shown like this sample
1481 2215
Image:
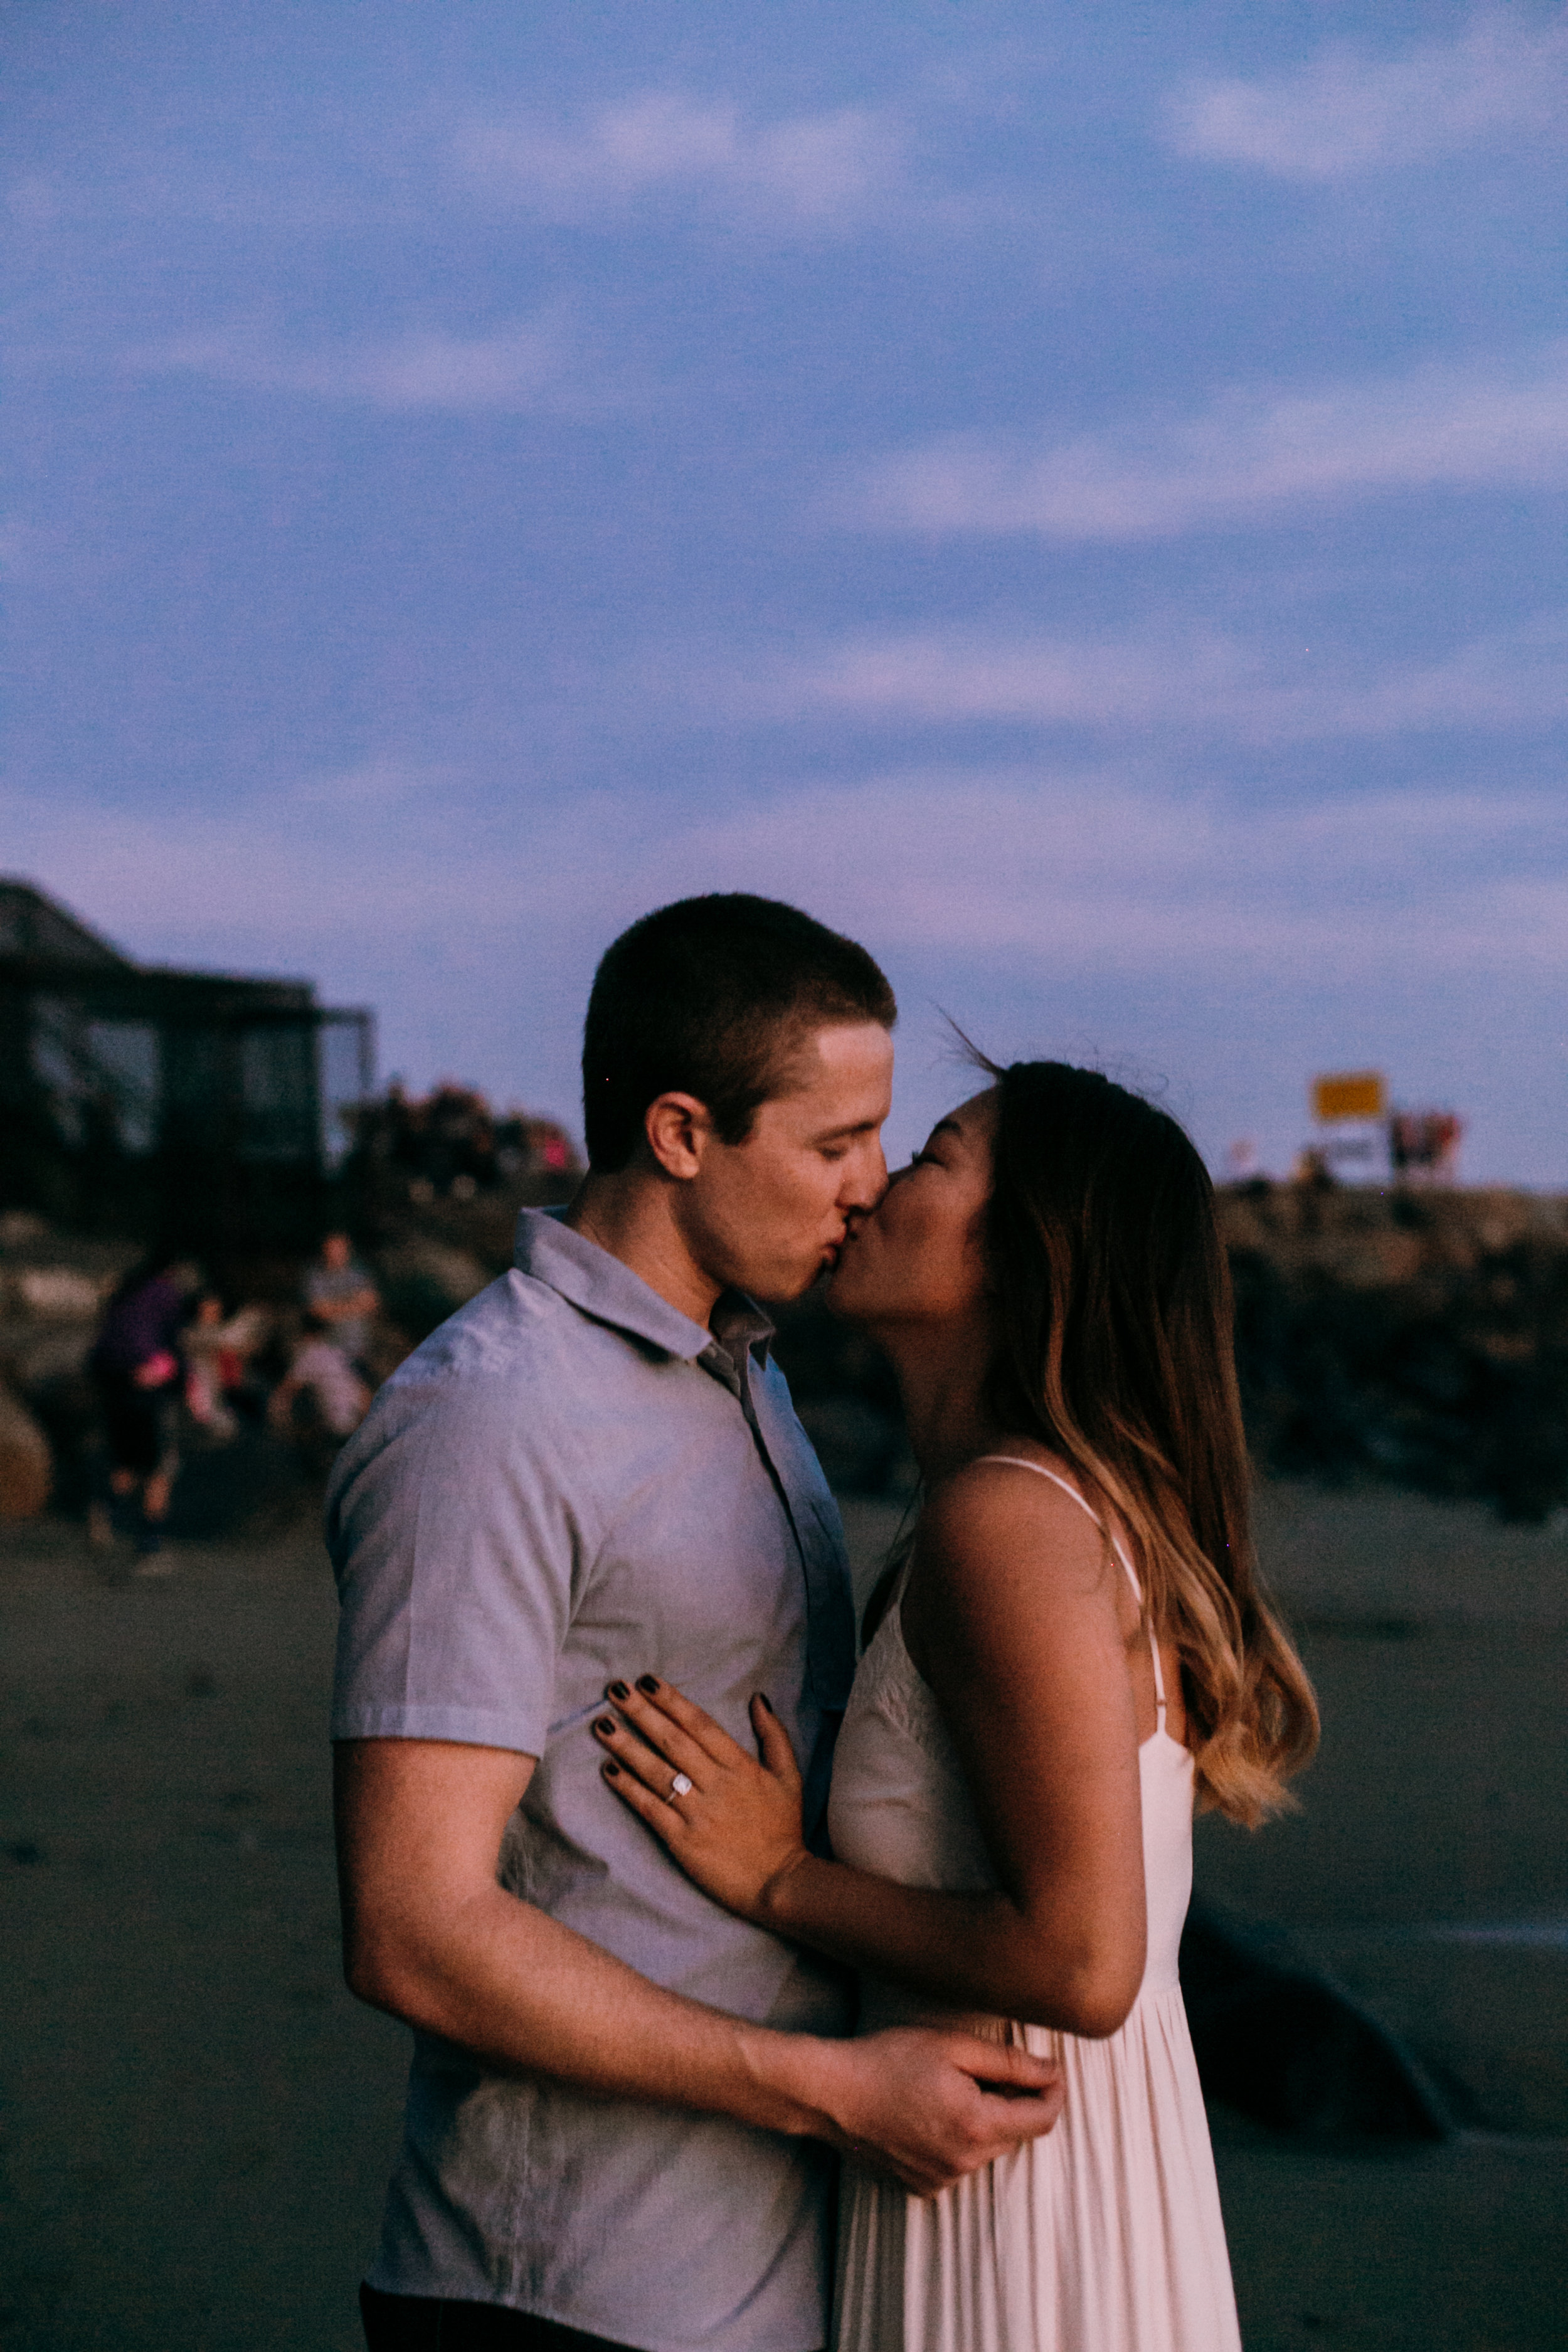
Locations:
860 1126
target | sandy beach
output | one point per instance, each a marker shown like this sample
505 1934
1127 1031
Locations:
197 2119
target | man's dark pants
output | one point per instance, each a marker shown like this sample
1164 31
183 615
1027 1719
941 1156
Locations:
417 2323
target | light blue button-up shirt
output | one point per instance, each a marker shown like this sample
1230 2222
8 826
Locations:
569 1482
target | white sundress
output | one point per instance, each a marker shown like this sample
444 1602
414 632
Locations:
1106 2235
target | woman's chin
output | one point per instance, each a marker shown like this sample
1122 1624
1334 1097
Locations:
845 1297
838 1294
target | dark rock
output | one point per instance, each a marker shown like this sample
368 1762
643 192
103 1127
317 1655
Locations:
1284 2044
26 1469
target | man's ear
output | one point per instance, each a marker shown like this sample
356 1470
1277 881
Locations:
678 1127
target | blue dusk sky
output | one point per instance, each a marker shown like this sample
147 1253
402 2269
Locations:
1074 495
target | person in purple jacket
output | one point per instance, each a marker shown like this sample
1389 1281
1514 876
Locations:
135 1368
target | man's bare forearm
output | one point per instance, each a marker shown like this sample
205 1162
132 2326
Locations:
530 1996
429 1935
521 1989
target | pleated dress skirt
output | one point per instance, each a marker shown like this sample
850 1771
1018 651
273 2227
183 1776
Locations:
1104 2236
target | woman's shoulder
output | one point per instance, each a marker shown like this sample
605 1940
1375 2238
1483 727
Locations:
1003 1565
1016 1472
1018 1492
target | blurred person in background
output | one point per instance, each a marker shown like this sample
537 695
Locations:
136 1371
343 1294
217 1349
323 1398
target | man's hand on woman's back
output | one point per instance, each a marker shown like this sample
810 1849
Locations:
928 2106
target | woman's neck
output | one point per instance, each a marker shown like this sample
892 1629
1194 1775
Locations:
941 1379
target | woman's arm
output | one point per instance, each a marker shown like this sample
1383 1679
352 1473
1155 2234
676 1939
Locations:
1012 1614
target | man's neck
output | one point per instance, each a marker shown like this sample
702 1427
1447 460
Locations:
629 1215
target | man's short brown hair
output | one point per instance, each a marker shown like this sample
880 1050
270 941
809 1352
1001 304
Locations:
710 997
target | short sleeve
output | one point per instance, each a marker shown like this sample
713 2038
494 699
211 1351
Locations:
455 1524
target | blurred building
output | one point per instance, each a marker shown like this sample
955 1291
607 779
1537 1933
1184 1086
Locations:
196 1107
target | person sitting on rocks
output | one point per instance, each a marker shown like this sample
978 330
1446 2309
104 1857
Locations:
343 1294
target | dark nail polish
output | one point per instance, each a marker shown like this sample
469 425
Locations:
765 1703
619 1690
605 1727
648 1683
611 1771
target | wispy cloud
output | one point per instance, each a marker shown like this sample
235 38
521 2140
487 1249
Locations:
531 363
806 171
1347 111
1181 679
1250 454
1116 871
245 877
1107 869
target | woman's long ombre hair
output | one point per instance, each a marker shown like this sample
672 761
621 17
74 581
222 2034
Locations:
1115 1349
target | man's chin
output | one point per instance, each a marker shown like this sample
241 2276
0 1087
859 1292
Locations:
780 1286
776 1289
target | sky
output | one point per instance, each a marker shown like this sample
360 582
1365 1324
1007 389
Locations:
1072 495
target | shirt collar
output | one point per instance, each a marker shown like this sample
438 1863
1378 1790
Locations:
741 1326
605 1287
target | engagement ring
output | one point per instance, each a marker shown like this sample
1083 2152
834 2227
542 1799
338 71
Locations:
680 1786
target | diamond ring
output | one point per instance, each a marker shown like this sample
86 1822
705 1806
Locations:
680 1786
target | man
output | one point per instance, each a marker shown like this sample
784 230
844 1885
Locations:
620 2095
344 1296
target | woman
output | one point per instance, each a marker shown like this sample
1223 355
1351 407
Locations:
1076 1649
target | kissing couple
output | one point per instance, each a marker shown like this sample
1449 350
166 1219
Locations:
764 1999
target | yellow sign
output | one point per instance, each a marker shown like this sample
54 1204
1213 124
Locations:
1349 1094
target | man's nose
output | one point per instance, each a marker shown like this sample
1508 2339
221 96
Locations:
869 1179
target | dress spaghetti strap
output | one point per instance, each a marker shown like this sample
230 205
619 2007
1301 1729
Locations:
1020 1462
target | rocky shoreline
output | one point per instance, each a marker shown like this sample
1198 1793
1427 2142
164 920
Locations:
1404 1337
1417 1338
